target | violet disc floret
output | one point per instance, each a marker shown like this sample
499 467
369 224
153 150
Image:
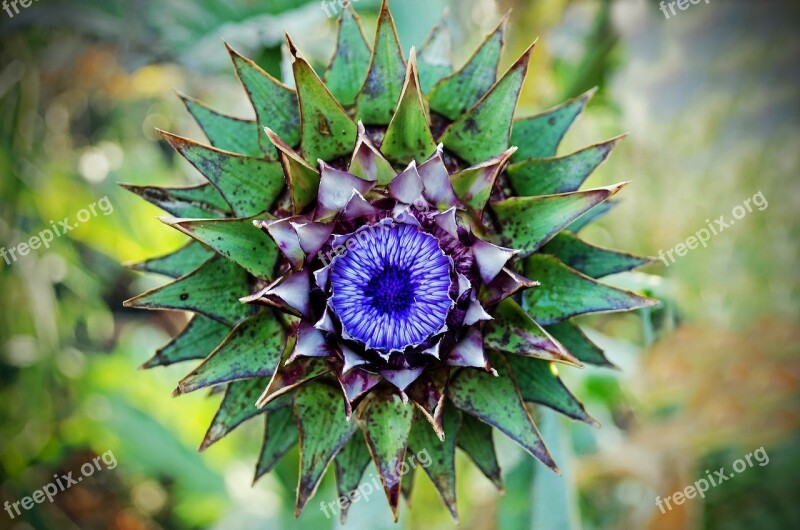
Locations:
392 291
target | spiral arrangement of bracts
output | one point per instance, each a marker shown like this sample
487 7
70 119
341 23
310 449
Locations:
389 251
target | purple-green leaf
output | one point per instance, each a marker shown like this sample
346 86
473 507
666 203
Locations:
473 186
301 177
368 163
428 394
496 400
288 377
323 432
386 423
566 292
514 331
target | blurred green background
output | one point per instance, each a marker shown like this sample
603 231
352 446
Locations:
709 97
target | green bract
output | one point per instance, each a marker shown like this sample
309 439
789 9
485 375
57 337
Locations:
389 146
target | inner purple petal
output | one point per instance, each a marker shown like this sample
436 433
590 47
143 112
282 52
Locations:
390 289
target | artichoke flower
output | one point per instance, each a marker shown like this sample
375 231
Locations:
386 249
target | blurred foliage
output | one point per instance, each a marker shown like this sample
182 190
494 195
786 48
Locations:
710 101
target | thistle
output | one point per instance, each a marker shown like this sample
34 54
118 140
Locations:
387 251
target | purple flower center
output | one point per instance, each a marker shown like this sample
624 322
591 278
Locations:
391 290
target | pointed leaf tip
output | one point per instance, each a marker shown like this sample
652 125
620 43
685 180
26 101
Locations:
381 90
409 135
457 92
484 130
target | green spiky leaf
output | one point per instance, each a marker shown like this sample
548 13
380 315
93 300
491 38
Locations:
200 337
475 439
350 464
409 135
539 136
213 289
386 423
434 57
202 201
514 331
526 223
539 383
577 343
280 435
566 292
484 130
291 376
453 95
252 349
596 213
250 185
549 176
178 263
302 179
236 239
225 132
381 91
442 455
326 131
591 260
350 62
237 407
275 103
496 400
323 432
